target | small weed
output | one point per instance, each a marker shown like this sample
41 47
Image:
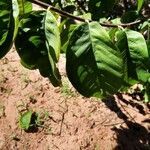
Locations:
29 121
66 90
44 115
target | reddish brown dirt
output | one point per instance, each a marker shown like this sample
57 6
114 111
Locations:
70 121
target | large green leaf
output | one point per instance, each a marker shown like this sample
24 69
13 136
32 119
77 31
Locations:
137 47
94 65
144 76
33 45
53 45
130 67
40 47
100 8
24 6
52 32
8 24
121 43
135 53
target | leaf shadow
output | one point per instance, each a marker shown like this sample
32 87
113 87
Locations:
135 137
132 137
32 129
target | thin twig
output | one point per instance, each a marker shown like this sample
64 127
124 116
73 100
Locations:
63 117
62 120
68 15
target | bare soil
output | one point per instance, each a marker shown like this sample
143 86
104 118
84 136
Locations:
69 121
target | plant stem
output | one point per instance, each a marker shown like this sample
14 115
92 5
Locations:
68 15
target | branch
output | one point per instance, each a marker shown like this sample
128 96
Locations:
62 13
68 15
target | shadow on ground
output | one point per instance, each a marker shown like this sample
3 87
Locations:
132 137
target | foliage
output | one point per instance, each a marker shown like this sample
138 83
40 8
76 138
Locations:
106 54
28 120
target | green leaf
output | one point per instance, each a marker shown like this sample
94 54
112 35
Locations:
25 120
8 24
134 50
138 48
143 72
33 46
53 45
112 32
145 27
52 35
41 46
24 7
66 29
94 65
140 4
100 8
143 75
129 69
